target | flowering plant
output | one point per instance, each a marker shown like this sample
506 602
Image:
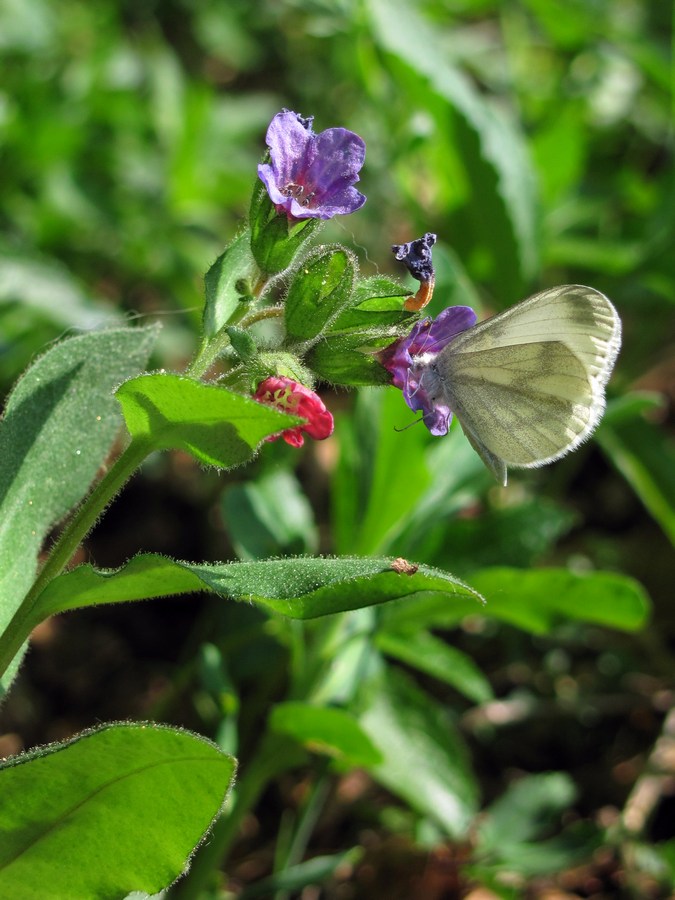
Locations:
246 386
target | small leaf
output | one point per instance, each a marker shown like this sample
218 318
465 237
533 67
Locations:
320 289
115 810
528 807
425 761
312 871
377 303
218 427
297 587
326 730
433 656
222 298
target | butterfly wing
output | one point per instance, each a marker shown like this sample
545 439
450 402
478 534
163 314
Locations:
528 384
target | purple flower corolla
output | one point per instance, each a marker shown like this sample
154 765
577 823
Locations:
408 360
310 176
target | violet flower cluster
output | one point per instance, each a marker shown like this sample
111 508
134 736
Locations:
312 175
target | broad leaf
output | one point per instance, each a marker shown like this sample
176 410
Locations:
297 587
218 427
59 425
115 810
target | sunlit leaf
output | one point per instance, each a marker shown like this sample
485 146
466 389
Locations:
297 587
325 730
537 600
431 655
218 427
112 811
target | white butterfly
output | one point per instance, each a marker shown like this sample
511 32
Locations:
528 385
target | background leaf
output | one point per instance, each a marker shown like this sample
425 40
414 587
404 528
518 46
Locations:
84 817
424 760
326 730
538 599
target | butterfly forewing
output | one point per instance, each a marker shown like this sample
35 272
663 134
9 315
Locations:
578 316
527 385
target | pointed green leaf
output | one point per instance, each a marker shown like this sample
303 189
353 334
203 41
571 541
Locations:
320 289
297 587
218 427
115 810
59 425
222 298
645 456
327 730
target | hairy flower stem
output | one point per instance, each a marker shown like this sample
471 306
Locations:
211 348
28 615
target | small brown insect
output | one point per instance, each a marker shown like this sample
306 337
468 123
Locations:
403 567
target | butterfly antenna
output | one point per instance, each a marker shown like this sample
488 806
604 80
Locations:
409 425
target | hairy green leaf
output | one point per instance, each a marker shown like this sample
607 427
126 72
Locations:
59 424
321 287
297 587
218 427
114 810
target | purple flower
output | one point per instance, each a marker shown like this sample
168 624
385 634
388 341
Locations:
408 360
310 176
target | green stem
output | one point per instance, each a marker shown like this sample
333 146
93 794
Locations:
211 348
27 617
